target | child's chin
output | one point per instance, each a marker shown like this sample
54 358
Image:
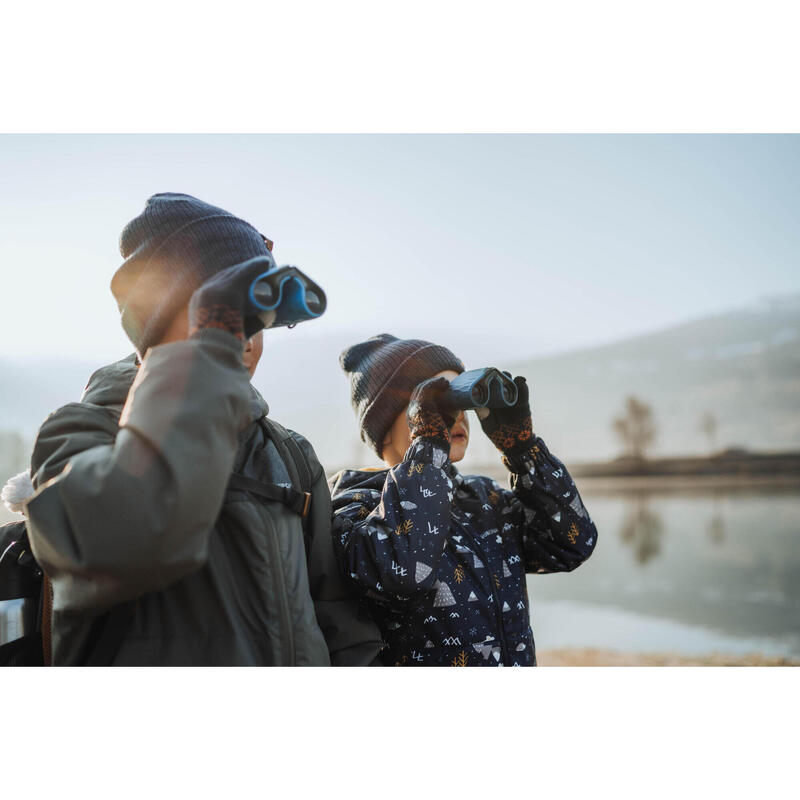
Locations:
457 451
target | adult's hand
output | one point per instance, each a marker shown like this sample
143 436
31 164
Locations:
223 301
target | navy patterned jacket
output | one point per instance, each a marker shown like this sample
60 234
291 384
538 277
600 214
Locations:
440 558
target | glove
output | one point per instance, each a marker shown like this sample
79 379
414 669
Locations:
426 417
510 429
223 302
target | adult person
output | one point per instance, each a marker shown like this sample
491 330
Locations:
145 538
441 558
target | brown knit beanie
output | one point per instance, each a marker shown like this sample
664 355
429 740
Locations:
383 372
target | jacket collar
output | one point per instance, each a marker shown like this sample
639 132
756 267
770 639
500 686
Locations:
109 387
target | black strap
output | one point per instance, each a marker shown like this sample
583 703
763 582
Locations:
293 458
304 472
299 502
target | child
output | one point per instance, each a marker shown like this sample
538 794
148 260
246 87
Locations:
441 558
168 516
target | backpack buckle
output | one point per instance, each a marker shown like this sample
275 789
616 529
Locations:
306 504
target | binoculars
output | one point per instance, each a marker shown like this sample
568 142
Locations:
481 388
290 293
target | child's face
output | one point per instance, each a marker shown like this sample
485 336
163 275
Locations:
398 439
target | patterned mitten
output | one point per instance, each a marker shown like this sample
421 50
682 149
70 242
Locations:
426 419
223 302
510 428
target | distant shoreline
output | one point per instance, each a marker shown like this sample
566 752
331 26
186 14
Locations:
732 470
730 463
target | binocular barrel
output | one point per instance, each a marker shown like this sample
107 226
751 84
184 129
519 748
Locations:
481 388
290 293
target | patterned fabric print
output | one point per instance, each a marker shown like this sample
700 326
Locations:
425 421
512 435
537 476
440 559
218 316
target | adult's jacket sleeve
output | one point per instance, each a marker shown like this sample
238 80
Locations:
352 637
390 544
557 532
129 509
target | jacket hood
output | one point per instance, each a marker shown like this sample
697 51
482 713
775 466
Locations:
357 479
109 386
373 478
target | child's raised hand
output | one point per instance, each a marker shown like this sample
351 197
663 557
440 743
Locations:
510 429
426 416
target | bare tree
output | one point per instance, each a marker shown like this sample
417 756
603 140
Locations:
642 529
636 428
708 425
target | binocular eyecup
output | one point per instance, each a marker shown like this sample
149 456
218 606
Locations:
290 293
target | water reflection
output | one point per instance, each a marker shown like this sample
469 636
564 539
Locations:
716 528
642 529
692 564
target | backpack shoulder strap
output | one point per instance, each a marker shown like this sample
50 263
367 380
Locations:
295 461
286 444
299 502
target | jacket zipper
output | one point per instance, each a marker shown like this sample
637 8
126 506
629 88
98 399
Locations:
281 583
495 598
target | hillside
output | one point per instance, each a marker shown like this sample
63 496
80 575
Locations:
743 366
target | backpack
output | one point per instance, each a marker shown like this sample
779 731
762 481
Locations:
26 596
21 597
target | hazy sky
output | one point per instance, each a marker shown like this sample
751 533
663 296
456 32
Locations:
524 245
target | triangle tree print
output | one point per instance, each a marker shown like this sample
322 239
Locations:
444 597
422 571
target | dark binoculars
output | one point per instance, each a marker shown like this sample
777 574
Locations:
290 293
481 388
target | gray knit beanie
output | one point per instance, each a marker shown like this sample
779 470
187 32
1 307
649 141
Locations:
383 372
170 249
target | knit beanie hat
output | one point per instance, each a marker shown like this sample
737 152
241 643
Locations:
383 373
170 249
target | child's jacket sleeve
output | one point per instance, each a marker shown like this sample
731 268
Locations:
390 542
134 507
557 532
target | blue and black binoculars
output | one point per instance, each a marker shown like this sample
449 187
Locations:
481 388
290 293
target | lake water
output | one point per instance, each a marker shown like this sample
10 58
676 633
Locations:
692 571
